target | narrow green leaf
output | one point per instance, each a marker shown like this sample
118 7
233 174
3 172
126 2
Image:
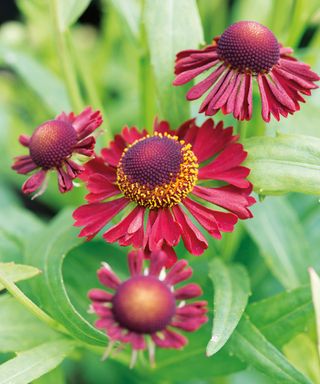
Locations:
34 363
231 292
315 287
69 11
17 272
283 316
19 329
56 376
276 230
130 11
171 26
282 164
42 81
297 350
58 239
249 344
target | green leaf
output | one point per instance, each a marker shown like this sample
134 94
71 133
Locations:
171 26
57 240
282 164
315 287
20 330
231 292
297 350
283 316
69 11
18 224
34 363
53 377
130 11
42 81
250 346
276 230
17 272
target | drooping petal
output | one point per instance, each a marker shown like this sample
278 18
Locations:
24 140
34 182
99 295
226 167
233 199
24 164
188 291
169 339
179 272
135 262
112 154
95 216
98 166
158 260
64 180
165 228
211 139
87 122
130 230
100 188
108 278
192 238
86 146
212 221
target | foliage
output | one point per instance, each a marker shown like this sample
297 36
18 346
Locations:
264 314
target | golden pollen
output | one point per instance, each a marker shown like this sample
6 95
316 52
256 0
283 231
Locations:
157 171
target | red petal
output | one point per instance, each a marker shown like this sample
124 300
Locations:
96 215
34 182
192 238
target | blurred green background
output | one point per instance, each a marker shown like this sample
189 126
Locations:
110 61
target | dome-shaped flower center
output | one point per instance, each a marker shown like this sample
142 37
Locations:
157 171
51 143
143 304
249 46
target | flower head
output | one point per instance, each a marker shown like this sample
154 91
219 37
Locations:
246 50
158 179
51 147
143 309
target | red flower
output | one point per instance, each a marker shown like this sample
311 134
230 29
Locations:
160 176
145 306
51 146
244 51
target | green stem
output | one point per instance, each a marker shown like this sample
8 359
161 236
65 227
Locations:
28 304
66 62
232 243
145 105
146 84
87 80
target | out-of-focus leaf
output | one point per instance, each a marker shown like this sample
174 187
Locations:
251 10
171 26
53 377
281 317
280 238
315 286
231 292
282 164
250 346
130 11
17 272
34 363
69 11
19 329
18 223
302 352
57 239
42 81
